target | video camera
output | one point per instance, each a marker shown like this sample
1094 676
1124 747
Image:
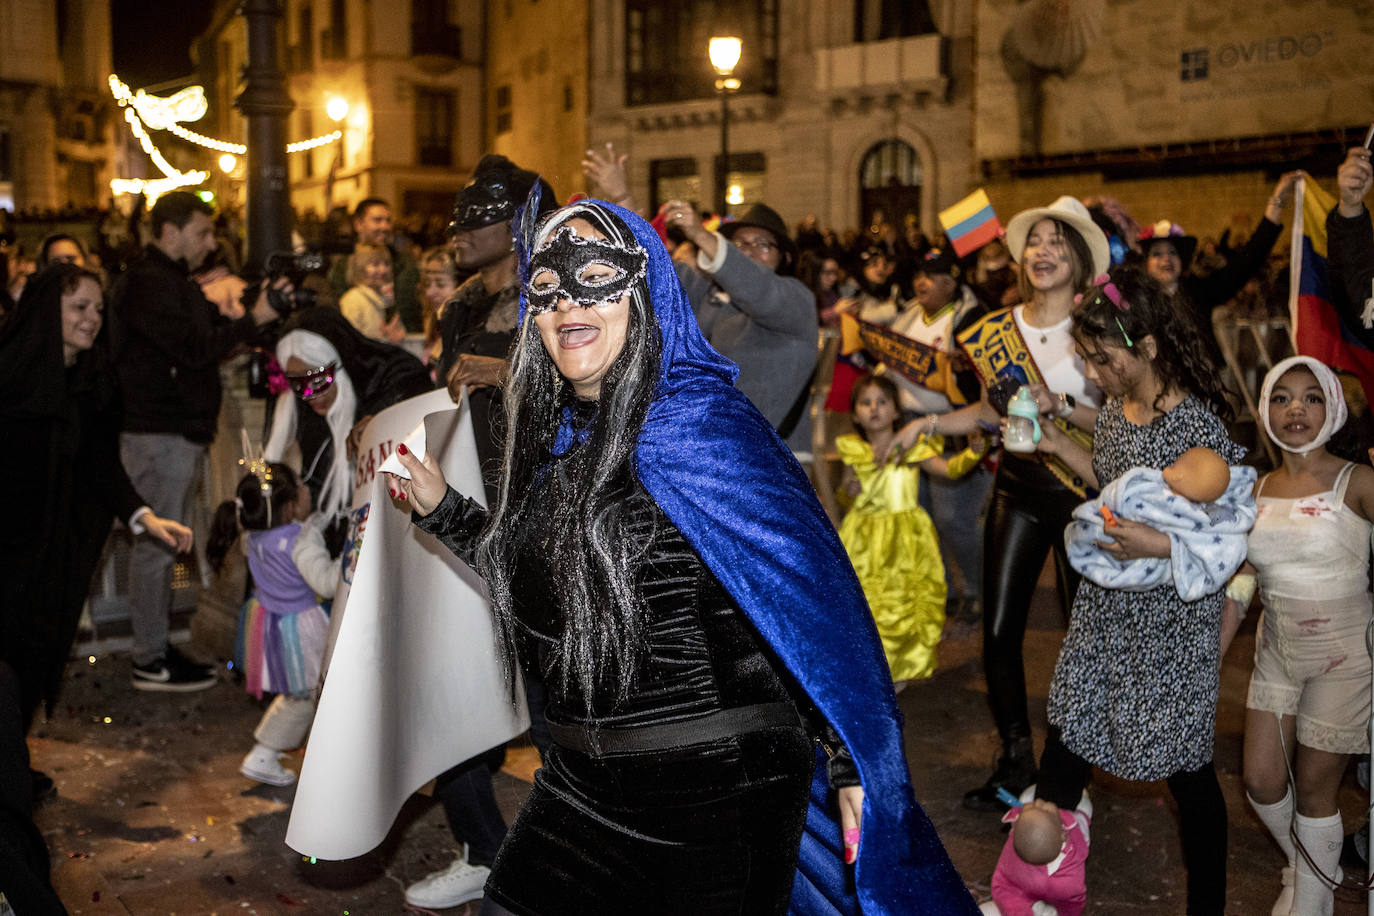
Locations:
294 267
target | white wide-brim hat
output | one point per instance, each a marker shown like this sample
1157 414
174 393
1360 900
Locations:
1070 211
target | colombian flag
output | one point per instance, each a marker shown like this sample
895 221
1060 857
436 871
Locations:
1317 328
971 223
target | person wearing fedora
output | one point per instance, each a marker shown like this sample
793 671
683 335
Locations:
1060 250
754 311
1168 253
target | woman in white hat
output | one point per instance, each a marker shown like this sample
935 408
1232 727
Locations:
1308 705
1060 250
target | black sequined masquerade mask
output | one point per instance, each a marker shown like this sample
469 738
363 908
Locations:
485 201
313 383
563 269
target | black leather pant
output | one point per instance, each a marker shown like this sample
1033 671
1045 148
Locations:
1030 509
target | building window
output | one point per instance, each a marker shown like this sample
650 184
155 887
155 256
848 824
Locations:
334 40
890 179
300 57
308 130
665 47
434 112
743 182
431 32
503 109
875 20
675 179
6 162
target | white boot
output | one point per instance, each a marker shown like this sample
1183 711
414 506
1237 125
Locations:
263 765
1321 837
1278 818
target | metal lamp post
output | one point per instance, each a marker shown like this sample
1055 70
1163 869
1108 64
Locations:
265 102
724 52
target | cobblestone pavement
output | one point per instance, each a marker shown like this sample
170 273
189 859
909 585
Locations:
152 816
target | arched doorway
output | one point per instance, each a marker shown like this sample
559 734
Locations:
890 182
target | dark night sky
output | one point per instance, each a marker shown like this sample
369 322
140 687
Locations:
152 38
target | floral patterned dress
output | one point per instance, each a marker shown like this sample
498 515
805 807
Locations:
1135 687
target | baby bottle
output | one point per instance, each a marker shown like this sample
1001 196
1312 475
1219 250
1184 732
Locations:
1023 422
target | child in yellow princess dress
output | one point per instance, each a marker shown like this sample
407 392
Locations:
890 538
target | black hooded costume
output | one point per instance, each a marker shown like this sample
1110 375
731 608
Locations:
63 426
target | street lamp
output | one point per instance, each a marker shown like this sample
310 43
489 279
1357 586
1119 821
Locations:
337 109
724 52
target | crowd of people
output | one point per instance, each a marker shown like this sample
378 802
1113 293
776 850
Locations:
711 667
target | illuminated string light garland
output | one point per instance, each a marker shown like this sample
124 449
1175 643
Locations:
163 114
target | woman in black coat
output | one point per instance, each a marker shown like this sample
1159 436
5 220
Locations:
59 415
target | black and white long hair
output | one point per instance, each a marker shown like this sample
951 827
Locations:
575 508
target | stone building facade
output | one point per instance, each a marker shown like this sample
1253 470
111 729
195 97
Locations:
57 119
411 74
846 107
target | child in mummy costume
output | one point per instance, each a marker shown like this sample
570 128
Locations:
1308 706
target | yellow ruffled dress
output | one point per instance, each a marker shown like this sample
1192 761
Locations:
891 542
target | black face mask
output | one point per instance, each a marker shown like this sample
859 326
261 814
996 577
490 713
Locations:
568 258
486 201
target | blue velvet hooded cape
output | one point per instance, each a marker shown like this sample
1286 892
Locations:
724 478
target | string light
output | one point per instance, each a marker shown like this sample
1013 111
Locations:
163 114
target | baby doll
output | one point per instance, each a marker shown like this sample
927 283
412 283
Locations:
1041 870
1199 475
1205 506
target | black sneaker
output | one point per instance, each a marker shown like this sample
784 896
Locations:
1014 772
173 672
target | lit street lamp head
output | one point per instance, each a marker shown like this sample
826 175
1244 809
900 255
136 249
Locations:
336 108
724 52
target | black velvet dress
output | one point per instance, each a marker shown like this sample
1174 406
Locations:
706 828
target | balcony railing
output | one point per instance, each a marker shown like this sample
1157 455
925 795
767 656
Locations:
876 65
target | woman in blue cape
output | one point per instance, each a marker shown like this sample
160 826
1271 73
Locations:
657 553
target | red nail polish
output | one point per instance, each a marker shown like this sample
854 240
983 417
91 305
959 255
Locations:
402 449
403 496
393 493
849 855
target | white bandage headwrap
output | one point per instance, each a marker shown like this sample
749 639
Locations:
1336 410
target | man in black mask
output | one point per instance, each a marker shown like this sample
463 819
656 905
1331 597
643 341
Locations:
477 326
478 323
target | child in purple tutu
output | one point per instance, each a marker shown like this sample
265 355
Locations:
283 628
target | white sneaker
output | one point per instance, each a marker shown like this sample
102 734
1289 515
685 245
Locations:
458 883
263 764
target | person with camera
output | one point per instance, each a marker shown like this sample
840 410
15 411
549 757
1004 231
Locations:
167 341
